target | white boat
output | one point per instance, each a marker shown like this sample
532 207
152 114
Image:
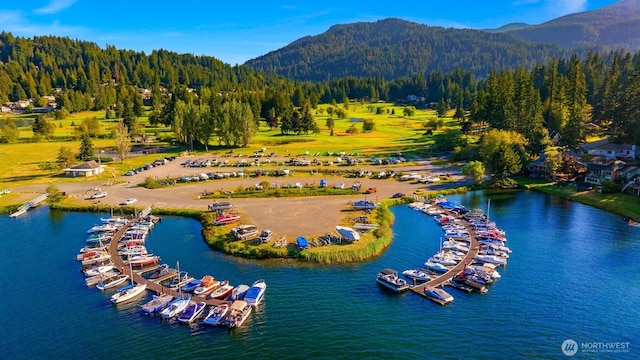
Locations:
238 312
417 274
444 259
255 294
98 257
192 312
156 304
265 236
133 249
348 233
438 295
176 307
492 259
127 293
238 292
436 266
98 270
207 285
112 282
389 279
245 232
455 245
216 314
102 229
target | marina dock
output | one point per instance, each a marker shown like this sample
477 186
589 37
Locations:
137 275
445 278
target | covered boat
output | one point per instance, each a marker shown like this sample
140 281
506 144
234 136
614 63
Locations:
348 233
302 243
239 311
255 294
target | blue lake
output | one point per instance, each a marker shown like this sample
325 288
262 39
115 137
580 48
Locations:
572 275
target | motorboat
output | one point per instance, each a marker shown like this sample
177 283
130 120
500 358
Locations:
492 259
238 312
363 205
98 270
207 285
226 219
438 295
255 294
192 312
156 304
265 236
191 285
245 232
445 259
163 272
132 250
104 228
389 278
99 238
223 291
455 245
348 233
127 293
238 292
98 257
144 260
180 280
417 274
438 267
215 315
175 307
217 206
112 282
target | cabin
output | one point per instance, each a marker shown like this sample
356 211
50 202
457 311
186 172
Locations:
87 169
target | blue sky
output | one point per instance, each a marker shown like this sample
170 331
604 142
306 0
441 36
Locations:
236 31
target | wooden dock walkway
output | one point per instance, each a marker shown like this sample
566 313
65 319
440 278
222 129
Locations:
118 263
444 279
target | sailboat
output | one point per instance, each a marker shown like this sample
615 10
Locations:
128 292
178 305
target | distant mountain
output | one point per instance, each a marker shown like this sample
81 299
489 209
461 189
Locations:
508 27
614 26
393 48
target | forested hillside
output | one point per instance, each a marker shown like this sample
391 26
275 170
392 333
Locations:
394 48
615 26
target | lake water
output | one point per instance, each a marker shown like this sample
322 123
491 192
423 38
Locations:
573 274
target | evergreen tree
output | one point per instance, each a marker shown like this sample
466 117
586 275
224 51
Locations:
579 112
85 152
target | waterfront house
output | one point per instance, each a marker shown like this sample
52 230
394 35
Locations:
631 180
87 169
624 152
602 168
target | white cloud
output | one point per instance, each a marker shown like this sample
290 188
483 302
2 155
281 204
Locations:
16 23
54 7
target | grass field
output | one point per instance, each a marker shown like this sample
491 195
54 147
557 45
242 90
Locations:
20 163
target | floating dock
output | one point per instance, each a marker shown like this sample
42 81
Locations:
33 203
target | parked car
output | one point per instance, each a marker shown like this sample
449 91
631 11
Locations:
129 201
397 195
98 195
371 190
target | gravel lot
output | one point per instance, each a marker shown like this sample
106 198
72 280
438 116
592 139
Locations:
290 217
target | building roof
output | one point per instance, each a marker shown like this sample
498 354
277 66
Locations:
89 165
617 147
